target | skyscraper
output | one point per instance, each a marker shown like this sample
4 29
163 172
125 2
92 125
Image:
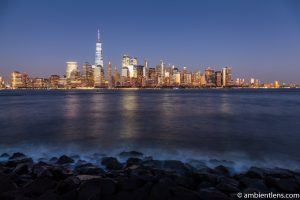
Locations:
71 69
98 76
99 56
226 76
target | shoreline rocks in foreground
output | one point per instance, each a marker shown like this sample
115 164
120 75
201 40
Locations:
137 178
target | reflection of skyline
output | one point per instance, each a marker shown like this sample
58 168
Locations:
71 113
129 119
96 109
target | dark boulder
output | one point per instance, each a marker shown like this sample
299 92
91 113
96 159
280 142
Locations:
228 185
4 155
22 168
254 183
50 195
132 154
133 161
175 165
64 160
17 155
255 172
222 170
68 185
111 163
197 164
184 181
38 187
179 193
212 194
205 176
88 169
23 179
17 161
41 169
96 188
129 183
283 185
6 183
161 191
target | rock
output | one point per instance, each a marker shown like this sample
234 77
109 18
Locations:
160 191
283 185
179 193
38 187
132 154
129 183
254 183
41 169
197 164
133 161
21 180
297 178
175 165
228 185
255 172
111 163
6 184
184 181
87 177
205 176
17 155
212 194
152 163
143 174
88 169
50 195
279 173
17 161
22 168
143 192
222 170
60 173
64 160
67 185
4 155
205 184
81 162
13 195
96 188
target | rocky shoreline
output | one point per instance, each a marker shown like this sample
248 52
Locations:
138 177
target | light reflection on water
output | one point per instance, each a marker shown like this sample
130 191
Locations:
253 124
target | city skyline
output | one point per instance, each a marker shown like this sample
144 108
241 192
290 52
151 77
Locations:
270 57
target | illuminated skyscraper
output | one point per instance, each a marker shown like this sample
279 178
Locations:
71 69
226 76
98 68
99 56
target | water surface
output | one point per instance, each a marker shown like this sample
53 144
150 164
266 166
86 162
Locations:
245 125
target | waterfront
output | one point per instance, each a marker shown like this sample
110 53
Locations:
253 126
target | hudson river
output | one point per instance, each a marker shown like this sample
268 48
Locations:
247 126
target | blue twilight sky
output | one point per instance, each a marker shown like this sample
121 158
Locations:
258 38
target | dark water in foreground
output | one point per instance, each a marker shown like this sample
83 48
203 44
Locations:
260 127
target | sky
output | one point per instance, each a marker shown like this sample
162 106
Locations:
257 38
